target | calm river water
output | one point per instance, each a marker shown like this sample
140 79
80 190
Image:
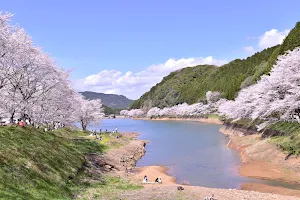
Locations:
193 151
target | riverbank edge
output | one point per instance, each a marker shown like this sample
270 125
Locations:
264 166
202 120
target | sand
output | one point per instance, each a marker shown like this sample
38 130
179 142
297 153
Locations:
153 172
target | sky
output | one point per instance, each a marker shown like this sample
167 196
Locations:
126 47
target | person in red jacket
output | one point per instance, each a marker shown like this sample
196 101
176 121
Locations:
21 123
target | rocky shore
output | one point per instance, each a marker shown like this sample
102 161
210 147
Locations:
120 159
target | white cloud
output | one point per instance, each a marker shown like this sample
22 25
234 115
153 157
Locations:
268 39
249 50
271 38
133 85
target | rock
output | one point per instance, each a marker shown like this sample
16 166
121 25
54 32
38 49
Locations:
131 157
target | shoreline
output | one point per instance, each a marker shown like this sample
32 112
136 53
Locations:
202 120
264 161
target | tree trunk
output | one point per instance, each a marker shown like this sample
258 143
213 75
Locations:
83 125
12 117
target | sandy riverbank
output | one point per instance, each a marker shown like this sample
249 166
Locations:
152 173
263 160
203 120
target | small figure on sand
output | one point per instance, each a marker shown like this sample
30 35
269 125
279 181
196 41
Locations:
145 180
210 198
116 130
158 180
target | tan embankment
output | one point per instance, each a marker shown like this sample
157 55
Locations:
270 189
203 120
263 160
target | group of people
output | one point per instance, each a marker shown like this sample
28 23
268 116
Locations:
94 133
157 180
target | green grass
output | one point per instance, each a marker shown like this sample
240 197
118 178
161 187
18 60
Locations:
38 165
246 122
213 116
110 188
110 141
290 142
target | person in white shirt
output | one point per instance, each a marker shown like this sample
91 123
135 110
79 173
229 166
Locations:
145 179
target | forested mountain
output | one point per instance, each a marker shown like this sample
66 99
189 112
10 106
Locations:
191 84
109 100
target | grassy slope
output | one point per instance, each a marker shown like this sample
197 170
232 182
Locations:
111 188
37 165
191 84
290 142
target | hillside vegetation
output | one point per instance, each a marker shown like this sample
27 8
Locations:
110 111
191 84
109 100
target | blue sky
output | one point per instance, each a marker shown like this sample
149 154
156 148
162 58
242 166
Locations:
125 47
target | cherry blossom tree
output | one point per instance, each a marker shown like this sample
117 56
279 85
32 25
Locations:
276 95
32 86
90 112
124 112
212 97
132 113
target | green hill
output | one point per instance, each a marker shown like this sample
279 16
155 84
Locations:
109 100
191 84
